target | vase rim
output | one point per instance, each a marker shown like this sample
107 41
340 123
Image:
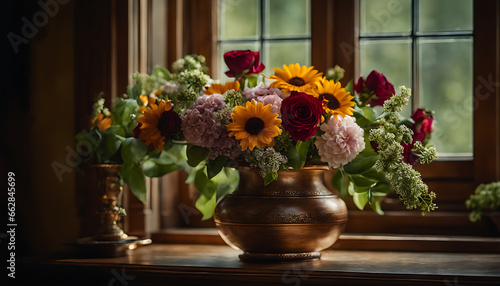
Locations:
305 167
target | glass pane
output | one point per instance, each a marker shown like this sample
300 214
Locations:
446 87
285 18
286 52
385 16
389 57
445 15
226 47
239 19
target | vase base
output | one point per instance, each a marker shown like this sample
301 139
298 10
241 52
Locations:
279 257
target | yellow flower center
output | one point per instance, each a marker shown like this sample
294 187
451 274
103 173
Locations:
254 125
297 81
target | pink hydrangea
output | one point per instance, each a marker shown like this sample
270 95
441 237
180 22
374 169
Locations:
272 99
342 141
199 124
225 146
261 90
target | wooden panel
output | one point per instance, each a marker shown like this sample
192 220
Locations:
487 91
322 34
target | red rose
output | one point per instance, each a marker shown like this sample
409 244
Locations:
300 113
243 62
375 90
422 128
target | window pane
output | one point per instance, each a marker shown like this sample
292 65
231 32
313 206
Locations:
239 19
389 57
226 47
385 16
286 52
445 15
285 18
446 74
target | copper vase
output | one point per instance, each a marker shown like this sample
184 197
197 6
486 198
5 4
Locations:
108 187
293 218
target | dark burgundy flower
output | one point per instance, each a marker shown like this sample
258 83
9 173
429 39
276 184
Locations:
422 128
169 123
243 62
375 90
300 113
137 130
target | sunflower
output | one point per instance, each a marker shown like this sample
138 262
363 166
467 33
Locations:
255 125
159 122
102 122
146 101
335 99
295 78
222 88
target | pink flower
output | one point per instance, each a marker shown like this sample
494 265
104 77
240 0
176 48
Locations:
342 141
273 99
225 146
199 124
261 90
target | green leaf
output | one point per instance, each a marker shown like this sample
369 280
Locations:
162 73
212 190
215 166
153 170
196 154
206 205
349 88
381 188
374 199
204 185
122 114
360 199
368 113
134 177
226 181
297 155
252 81
270 177
110 144
134 91
360 165
407 121
362 181
133 150
340 183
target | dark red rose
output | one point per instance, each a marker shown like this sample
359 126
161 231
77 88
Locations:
243 62
376 89
422 128
300 113
137 130
169 123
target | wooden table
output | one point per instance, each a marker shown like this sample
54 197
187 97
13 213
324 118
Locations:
180 264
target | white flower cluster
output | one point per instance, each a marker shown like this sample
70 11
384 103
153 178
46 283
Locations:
267 159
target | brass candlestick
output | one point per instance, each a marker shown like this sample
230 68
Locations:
108 188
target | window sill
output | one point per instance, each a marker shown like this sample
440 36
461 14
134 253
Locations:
181 264
351 241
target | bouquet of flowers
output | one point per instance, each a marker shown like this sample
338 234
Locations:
295 117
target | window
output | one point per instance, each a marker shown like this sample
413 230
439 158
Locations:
427 46
265 26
